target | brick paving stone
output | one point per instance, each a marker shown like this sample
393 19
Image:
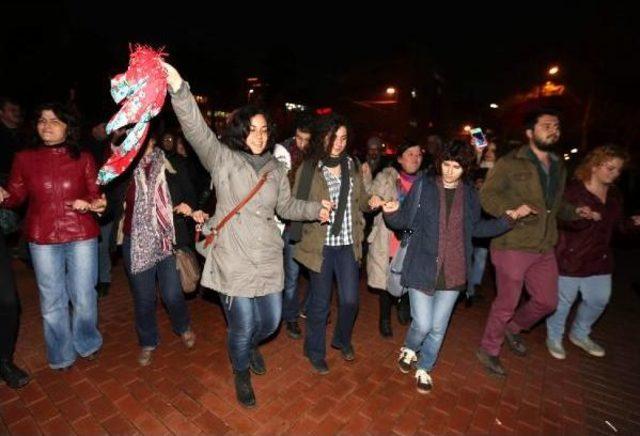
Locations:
211 424
56 426
73 409
43 410
118 425
26 426
187 392
88 426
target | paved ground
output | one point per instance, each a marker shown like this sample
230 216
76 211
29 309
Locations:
191 391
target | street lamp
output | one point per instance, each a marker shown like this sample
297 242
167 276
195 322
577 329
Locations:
494 106
553 70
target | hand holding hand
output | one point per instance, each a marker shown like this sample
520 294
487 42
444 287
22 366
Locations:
199 216
183 209
390 206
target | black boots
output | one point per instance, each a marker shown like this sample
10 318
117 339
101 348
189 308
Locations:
244 390
293 329
12 375
385 328
256 362
404 310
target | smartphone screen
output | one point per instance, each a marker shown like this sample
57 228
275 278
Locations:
479 140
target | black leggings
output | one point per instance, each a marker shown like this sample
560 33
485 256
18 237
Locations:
8 304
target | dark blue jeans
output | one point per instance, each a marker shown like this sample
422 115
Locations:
250 321
143 288
291 296
341 262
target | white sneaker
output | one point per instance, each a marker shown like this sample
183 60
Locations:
588 345
424 384
556 349
406 359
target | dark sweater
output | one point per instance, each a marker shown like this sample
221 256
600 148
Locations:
584 246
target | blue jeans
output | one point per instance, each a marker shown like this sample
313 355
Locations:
430 316
595 291
477 269
104 256
250 321
67 273
143 288
290 298
341 262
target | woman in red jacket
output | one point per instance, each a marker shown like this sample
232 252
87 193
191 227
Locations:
584 250
59 184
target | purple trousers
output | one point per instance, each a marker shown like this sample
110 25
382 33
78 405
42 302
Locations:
539 273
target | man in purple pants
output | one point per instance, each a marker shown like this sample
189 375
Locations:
534 176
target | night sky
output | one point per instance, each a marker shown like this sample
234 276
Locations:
482 53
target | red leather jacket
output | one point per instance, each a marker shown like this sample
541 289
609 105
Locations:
47 177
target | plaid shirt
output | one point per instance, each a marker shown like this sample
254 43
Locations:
346 232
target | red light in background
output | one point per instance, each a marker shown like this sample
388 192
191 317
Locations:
324 111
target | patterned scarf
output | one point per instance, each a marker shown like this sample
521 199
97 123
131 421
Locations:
152 231
332 162
404 183
143 89
451 238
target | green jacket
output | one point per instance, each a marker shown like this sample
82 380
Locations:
309 250
515 180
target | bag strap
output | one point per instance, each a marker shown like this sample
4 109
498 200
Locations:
235 210
414 210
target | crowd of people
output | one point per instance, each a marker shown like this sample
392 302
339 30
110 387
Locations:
305 206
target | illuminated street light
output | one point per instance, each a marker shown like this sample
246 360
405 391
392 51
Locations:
467 128
493 106
553 70
391 90
574 150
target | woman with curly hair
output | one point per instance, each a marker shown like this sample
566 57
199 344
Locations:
585 258
438 257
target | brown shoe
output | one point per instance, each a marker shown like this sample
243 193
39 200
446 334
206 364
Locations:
144 359
188 338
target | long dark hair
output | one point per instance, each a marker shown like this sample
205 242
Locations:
239 126
67 116
325 128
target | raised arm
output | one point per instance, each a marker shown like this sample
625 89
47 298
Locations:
195 129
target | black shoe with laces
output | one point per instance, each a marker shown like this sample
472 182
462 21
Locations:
244 390
15 377
491 363
347 352
320 366
516 344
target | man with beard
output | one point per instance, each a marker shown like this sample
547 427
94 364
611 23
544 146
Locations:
534 177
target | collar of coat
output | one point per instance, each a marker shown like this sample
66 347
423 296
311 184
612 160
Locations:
523 153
